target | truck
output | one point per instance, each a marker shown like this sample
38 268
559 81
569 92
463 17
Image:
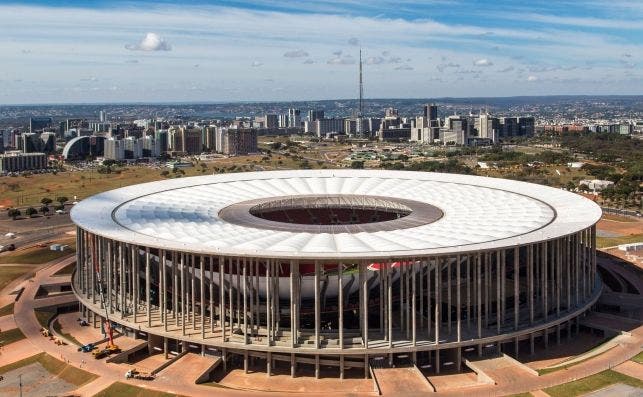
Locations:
107 351
135 374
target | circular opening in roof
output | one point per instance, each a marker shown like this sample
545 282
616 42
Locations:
339 213
330 210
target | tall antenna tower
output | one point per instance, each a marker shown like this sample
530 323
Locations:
361 85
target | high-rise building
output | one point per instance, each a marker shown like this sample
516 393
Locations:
314 115
324 126
509 127
239 142
527 126
209 138
40 123
102 116
271 121
391 113
283 120
161 137
431 111
488 127
16 161
114 149
150 147
294 118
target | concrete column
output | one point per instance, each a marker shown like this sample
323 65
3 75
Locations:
479 293
175 289
413 304
211 290
293 365
389 304
317 315
245 302
448 263
498 297
468 283
516 291
202 284
341 366
340 307
222 298
316 366
428 298
183 293
458 304
269 364
364 308
269 302
148 299
438 292
437 361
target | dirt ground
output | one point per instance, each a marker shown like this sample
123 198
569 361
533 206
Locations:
36 381
621 228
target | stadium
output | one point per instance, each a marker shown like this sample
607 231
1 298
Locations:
337 270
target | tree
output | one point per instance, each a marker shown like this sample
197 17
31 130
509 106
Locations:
13 213
30 212
44 210
46 201
62 200
357 164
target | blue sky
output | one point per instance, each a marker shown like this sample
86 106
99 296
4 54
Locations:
161 51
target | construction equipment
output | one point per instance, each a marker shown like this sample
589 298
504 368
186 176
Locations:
110 348
87 348
135 374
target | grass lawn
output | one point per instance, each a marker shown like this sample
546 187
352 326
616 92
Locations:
126 390
591 383
545 371
7 310
36 255
43 315
603 242
65 271
64 371
11 336
638 358
10 273
67 336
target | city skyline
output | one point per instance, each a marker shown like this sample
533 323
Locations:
254 50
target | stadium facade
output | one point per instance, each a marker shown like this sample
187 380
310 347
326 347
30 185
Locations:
338 268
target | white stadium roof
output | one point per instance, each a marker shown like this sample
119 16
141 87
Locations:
479 213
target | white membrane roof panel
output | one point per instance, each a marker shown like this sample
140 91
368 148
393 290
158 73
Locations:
479 214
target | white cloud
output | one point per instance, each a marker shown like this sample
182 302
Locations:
441 67
354 41
532 78
256 64
483 62
507 69
404 67
151 42
339 59
374 60
296 54
308 61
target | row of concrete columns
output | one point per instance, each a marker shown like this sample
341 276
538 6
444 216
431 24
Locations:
454 297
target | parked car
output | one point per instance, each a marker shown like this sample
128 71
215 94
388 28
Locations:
8 247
